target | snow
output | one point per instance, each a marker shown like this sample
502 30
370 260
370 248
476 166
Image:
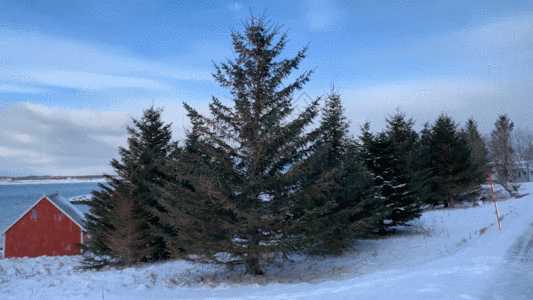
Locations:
446 254
51 181
86 197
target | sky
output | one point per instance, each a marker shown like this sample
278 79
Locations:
73 74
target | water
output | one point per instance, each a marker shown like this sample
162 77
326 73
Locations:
16 199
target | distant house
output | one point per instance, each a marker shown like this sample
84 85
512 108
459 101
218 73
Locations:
523 171
52 226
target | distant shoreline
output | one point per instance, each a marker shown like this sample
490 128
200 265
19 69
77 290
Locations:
51 181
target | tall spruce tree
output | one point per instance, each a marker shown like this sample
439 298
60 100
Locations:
502 153
241 193
149 145
336 202
478 148
407 147
450 162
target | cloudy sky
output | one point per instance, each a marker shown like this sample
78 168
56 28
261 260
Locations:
73 73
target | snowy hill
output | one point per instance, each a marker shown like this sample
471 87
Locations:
446 254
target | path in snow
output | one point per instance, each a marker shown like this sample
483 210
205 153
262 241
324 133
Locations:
516 279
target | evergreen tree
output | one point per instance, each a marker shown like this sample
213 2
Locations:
127 235
407 153
451 164
502 152
336 203
97 222
334 128
480 154
423 163
396 184
240 194
148 145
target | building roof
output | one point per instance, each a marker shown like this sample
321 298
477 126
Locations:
62 204
67 208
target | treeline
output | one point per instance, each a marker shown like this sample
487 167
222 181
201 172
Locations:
253 182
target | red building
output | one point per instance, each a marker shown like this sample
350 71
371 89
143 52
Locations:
52 226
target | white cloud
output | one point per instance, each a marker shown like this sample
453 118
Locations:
322 15
47 140
425 100
38 59
111 140
9 88
28 156
431 93
503 33
25 138
79 79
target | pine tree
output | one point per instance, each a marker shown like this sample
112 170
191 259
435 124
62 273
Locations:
502 153
334 128
451 164
406 150
336 203
97 222
480 154
148 146
240 193
395 182
127 234
424 163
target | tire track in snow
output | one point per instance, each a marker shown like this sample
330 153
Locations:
516 280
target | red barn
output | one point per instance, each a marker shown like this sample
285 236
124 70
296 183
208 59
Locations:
52 226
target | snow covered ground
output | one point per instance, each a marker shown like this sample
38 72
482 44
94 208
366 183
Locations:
446 254
50 181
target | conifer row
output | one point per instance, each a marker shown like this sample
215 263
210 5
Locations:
254 182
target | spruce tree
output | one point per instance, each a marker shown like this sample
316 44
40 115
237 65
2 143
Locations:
407 155
127 235
502 153
336 203
240 194
333 128
451 164
395 182
424 163
149 145
97 222
480 154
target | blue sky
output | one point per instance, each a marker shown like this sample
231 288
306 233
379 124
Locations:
73 73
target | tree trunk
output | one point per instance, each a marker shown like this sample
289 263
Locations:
253 267
381 230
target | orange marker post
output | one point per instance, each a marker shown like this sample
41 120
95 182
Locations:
494 200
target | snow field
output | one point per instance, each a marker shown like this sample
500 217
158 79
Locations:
50 181
446 254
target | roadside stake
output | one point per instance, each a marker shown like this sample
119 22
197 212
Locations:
494 200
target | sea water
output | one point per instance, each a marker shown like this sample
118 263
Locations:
16 199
